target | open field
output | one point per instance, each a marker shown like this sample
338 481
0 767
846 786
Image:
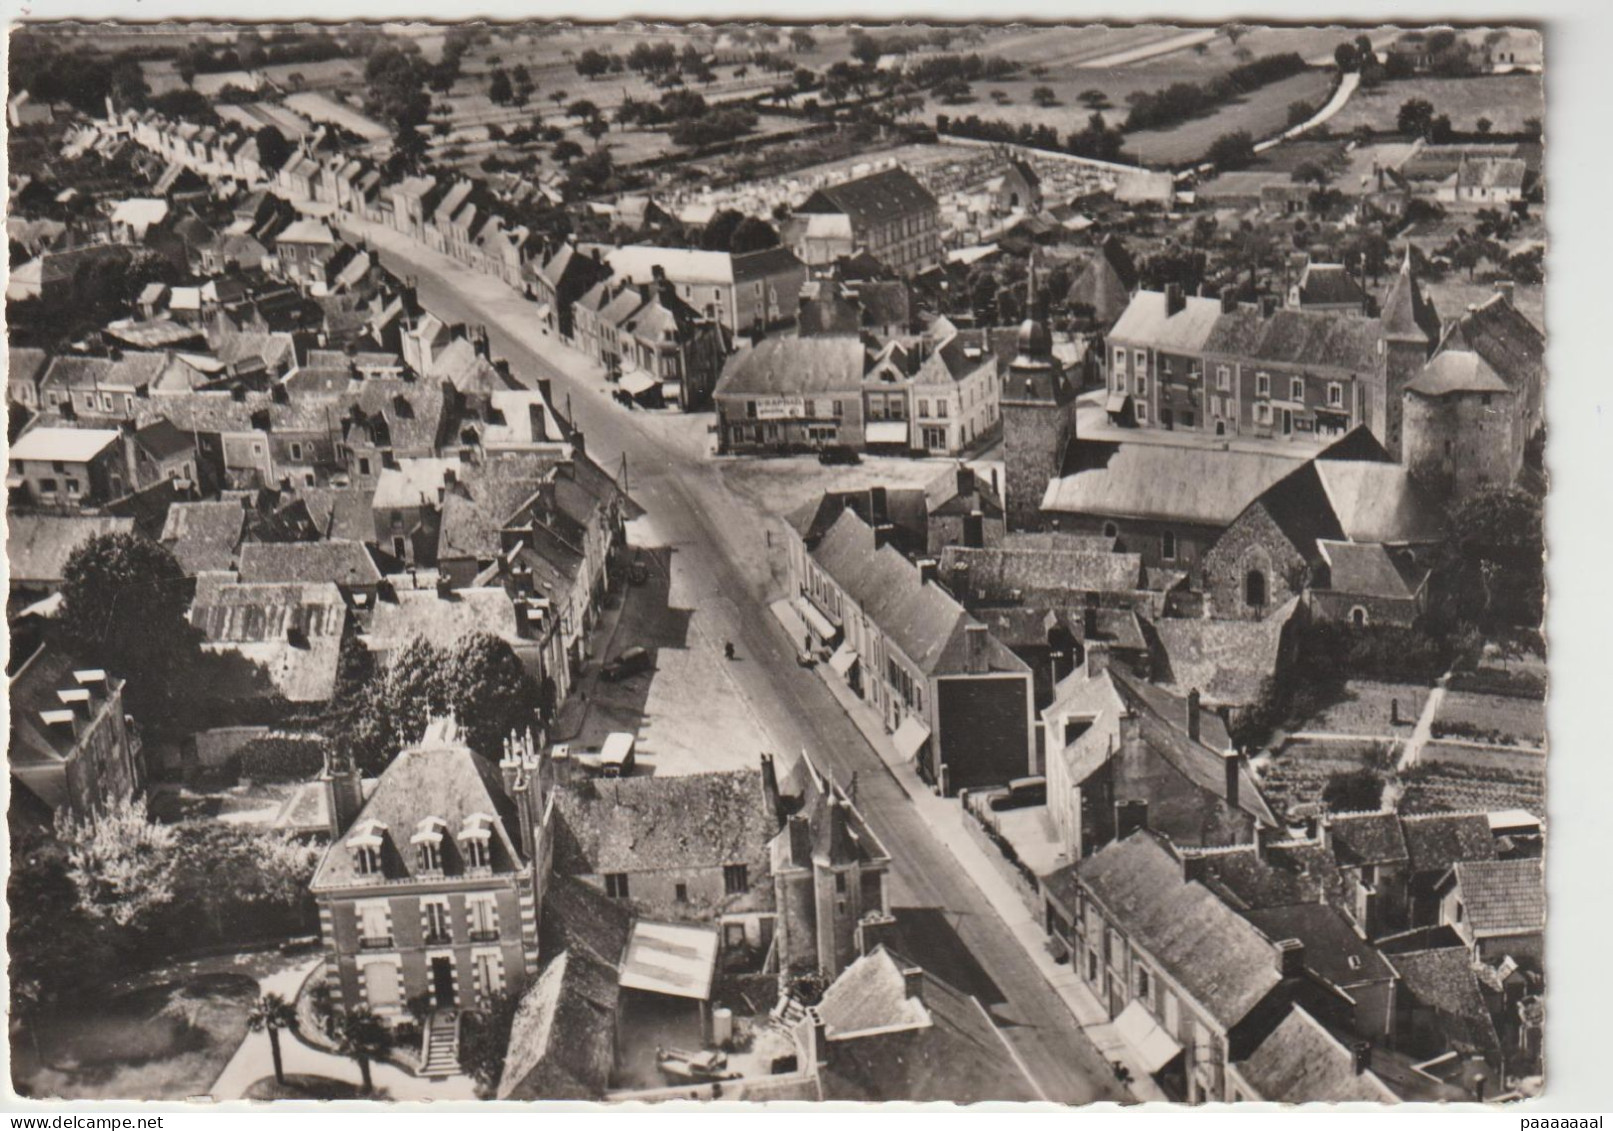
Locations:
1473 756
1507 100
1366 709
1502 719
1263 114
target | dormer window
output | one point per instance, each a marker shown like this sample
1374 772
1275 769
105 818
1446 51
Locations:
430 857
366 844
427 842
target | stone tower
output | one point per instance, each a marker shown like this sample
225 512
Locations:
1408 332
1038 411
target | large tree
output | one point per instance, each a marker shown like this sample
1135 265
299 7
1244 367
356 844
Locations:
124 604
121 862
1490 572
488 690
484 1039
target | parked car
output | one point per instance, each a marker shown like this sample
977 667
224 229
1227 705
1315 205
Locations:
616 755
839 454
631 662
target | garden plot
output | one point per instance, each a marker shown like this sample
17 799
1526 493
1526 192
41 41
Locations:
1299 772
1439 787
1501 720
1367 708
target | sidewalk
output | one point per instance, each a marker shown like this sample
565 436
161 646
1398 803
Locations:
946 818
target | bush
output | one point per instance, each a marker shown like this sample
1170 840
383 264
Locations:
1472 732
1353 791
282 757
1495 681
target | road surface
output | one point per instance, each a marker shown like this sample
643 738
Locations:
720 554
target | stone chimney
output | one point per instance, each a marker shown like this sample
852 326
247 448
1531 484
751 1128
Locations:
1505 288
817 1045
966 479
1193 714
1229 300
913 983
77 700
1290 958
1232 763
875 930
344 791
882 534
1097 657
770 787
877 506
978 640
929 570
1175 299
1265 837
1361 1053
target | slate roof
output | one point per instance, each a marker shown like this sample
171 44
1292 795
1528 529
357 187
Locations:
1213 953
38 545
1227 660
288 637
1160 481
921 619
1511 344
163 440
204 536
476 512
1503 897
1145 322
69 445
1333 950
24 364
340 513
440 777
1301 1062
1378 502
1329 284
938 1046
1442 981
795 366
420 612
1106 282
1406 315
997 571
878 198
1492 172
1289 872
345 563
1457 371
562 1040
1369 570
1164 730
638 824
1320 339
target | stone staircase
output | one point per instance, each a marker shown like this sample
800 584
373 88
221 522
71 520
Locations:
441 1054
788 1012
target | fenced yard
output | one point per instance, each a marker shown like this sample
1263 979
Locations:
1298 773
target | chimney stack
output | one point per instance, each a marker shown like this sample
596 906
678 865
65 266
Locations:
929 570
1175 300
1089 624
818 1046
344 791
882 534
877 506
1193 714
1097 658
1361 1052
1265 837
1129 817
77 700
94 680
966 476
1229 300
62 725
1504 288
1232 761
978 638
770 786
913 983
1290 958
974 530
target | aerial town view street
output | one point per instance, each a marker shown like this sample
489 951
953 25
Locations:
753 562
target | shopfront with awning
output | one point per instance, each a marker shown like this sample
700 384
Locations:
636 382
887 433
1152 1047
843 661
817 623
910 738
1118 406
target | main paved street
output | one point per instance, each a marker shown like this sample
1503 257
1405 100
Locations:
720 561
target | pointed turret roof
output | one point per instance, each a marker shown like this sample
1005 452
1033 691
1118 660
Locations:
1407 315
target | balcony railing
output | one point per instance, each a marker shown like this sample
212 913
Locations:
436 938
490 935
375 942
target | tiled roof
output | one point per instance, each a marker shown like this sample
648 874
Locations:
1406 315
1442 982
25 364
1329 284
420 612
1435 841
1379 502
795 366
939 1045
286 637
1301 1062
204 536
1367 838
38 545
1325 339
1226 660
1511 344
126 373
345 563
1288 872
474 513
163 440
1213 953
69 445
638 824
440 777
1503 897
